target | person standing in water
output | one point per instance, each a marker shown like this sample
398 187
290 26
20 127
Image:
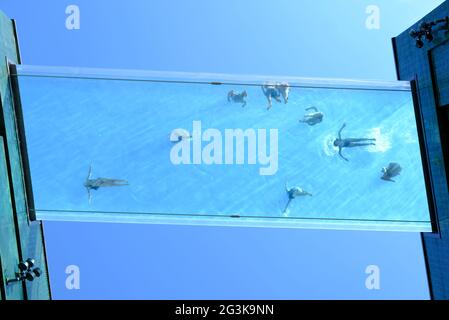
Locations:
270 91
351 142
284 90
276 91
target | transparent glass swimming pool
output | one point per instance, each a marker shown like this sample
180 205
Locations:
189 151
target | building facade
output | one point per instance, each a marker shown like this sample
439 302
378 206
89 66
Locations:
21 238
422 55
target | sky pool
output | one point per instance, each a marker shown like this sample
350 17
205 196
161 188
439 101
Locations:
209 149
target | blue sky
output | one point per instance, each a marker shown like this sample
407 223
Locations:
320 38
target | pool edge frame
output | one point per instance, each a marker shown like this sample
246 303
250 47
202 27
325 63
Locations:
17 104
424 156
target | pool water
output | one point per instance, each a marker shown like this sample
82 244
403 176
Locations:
119 125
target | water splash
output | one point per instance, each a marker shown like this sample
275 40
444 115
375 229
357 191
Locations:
383 140
410 137
328 146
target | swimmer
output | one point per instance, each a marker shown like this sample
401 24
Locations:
179 135
393 170
271 91
312 118
294 193
284 90
237 97
351 142
95 184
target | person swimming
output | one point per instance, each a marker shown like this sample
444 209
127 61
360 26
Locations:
95 184
312 118
294 193
237 97
393 170
351 142
179 135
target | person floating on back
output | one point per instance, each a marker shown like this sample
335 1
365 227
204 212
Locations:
293 193
351 142
393 170
312 118
95 184
237 97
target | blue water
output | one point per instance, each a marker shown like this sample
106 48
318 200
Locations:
121 129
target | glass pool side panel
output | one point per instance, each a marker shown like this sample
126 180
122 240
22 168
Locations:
147 147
